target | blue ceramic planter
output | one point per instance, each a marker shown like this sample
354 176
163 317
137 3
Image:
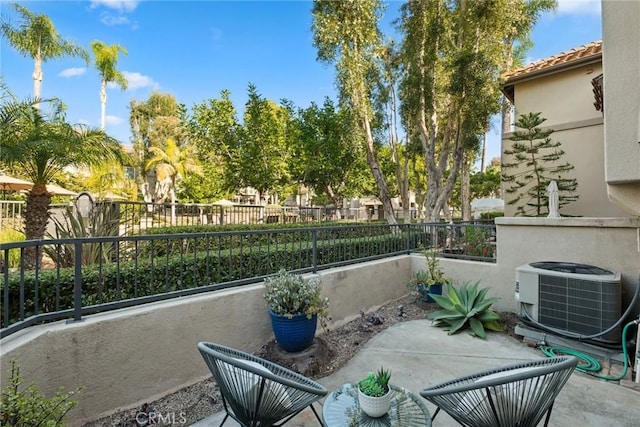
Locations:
435 289
295 334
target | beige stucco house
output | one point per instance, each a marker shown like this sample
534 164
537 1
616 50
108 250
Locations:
567 90
621 60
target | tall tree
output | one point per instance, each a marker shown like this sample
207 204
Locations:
535 162
37 38
40 146
172 164
391 66
262 154
452 53
346 33
328 154
214 128
106 59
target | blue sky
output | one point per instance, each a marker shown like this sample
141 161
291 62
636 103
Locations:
196 49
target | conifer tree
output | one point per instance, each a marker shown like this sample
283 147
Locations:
535 161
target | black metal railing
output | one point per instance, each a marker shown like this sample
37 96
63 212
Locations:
71 278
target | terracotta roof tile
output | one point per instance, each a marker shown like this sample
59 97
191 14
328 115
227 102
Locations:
564 58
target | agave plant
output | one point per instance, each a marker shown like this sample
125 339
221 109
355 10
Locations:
466 307
101 222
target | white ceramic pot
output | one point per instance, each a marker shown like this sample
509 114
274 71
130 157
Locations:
374 406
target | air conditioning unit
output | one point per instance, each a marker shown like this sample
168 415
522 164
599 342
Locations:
576 298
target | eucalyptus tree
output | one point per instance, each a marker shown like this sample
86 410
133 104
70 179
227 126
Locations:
452 56
152 123
400 154
42 144
346 33
106 59
37 38
172 163
328 153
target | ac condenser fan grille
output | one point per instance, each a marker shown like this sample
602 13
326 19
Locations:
584 307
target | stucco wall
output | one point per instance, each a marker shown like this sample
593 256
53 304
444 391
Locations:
565 99
127 357
582 145
621 56
613 244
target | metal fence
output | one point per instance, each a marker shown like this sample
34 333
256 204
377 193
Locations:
71 278
136 217
11 214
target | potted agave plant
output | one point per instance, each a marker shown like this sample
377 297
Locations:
295 307
374 393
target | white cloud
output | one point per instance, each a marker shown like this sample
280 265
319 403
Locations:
137 80
72 72
579 7
111 20
84 122
113 120
112 85
122 6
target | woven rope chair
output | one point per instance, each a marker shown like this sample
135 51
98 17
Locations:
512 396
257 392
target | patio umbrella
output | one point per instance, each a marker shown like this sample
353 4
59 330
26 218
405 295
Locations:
224 202
487 205
55 190
9 183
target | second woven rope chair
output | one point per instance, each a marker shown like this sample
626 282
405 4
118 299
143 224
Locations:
512 396
257 392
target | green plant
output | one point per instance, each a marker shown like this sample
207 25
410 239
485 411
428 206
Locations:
8 235
290 294
101 222
478 242
28 407
375 384
535 161
466 307
431 276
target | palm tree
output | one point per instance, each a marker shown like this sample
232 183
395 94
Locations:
37 38
106 60
42 145
171 164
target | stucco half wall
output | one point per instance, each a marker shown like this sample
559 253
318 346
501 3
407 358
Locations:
130 356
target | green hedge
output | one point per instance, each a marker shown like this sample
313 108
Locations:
274 234
151 275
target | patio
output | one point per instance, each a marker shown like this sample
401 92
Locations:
420 355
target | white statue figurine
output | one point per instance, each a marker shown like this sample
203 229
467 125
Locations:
552 191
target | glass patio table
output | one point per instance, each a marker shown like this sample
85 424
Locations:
341 408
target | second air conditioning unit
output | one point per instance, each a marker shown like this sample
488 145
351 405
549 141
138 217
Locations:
579 299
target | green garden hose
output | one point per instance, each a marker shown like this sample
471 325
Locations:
588 364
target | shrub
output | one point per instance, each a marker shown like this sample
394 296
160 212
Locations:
8 235
28 407
290 294
466 307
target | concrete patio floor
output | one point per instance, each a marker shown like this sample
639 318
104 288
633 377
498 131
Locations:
420 355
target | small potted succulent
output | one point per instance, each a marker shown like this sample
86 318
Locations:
295 306
374 393
431 280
